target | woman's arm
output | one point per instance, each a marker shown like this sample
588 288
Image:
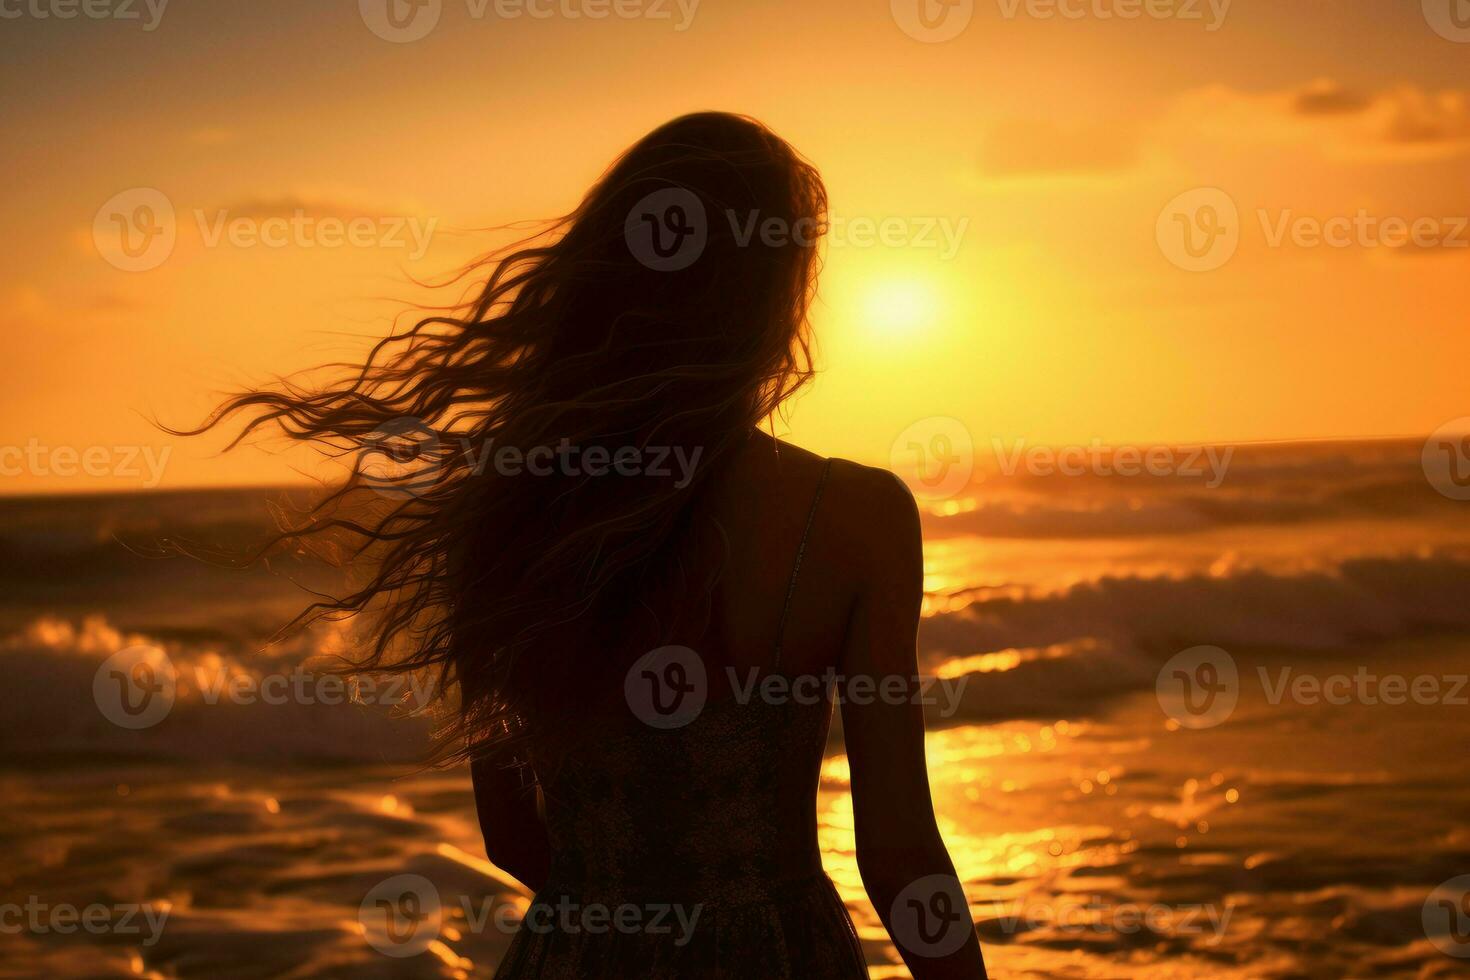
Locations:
905 867
511 822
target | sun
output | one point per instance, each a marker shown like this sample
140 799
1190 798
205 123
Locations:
900 307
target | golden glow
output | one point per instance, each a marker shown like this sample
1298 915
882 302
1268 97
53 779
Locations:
1048 312
900 307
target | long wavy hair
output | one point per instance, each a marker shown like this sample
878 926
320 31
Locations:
665 317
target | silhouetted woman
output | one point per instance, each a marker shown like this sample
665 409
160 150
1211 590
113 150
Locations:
636 593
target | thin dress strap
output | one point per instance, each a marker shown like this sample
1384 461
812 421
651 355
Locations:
796 568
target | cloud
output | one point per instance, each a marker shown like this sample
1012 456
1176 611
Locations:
1323 118
1404 123
108 301
313 204
1413 116
289 205
1325 97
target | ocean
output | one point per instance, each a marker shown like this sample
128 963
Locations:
1201 728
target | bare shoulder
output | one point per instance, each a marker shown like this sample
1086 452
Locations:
868 494
870 509
876 520
873 494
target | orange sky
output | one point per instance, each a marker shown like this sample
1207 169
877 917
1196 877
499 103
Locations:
1046 148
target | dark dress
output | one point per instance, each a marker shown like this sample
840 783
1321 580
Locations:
692 852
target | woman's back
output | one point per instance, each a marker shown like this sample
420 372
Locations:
697 816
